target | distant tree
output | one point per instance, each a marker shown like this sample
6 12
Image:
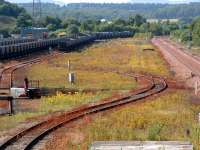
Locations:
5 32
156 29
139 20
16 30
185 35
70 21
51 27
105 27
144 27
196 31
72 29
24 20
166 29
53 21
119 21
9 9
87 11
88 25
131 20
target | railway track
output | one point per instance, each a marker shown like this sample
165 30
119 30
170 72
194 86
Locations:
30 137
189 61
6 74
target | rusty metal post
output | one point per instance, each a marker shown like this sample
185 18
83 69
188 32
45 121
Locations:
10 99
136 79
11 80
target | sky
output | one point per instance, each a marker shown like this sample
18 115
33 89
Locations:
108 1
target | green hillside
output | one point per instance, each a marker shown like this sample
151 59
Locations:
12 18
83 11
7 22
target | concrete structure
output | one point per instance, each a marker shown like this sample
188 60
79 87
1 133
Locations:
36 33
139 145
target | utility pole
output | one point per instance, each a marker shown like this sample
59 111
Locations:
37 11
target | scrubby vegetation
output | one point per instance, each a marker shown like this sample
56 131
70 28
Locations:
168 117
143 59
12 18
189 33
96 66
67 102
8 9
59 102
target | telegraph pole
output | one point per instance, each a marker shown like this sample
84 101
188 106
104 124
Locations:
37 11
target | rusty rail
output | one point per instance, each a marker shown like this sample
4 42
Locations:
42 129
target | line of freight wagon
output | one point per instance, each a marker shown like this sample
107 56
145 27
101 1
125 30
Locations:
20 47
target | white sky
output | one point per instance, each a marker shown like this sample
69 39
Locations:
74 1
95 1
107 1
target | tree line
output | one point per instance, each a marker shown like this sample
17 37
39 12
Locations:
23 19
188 33
136 23
84 11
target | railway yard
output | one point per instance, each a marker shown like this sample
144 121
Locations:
125 88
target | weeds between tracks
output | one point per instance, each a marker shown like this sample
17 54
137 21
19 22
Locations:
93 67
60 102
169 117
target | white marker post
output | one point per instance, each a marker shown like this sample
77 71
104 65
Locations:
196 87
199 118
69 65
71 75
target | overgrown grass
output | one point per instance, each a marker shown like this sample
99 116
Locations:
196 50
148 60
66 102
48 105
8 122
169 117
84 79
192 48
96 66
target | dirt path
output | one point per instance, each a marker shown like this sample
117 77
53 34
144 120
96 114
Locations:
185 66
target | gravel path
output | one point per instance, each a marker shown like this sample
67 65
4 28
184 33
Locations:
185 66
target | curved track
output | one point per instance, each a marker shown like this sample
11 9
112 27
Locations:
30 137
6 74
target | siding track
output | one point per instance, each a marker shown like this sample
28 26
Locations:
30 137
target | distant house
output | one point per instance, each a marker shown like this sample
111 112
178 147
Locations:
106 21
37 33
162 20
103 20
